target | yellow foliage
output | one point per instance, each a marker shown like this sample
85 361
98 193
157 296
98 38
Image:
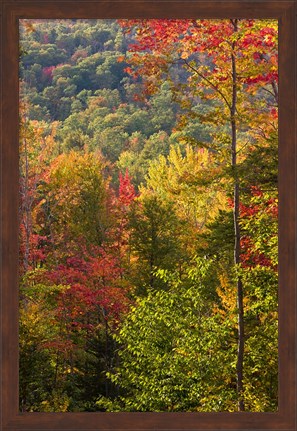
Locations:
227 294
189 181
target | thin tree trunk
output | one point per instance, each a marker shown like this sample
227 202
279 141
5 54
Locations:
152 255
26 208
275 91
239 286
106 359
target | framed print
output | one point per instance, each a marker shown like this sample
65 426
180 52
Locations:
148 202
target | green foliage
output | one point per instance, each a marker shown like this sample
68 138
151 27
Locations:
88 89
39 364
90 243
175 356
154 242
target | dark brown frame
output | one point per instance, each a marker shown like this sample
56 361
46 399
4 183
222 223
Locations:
285 12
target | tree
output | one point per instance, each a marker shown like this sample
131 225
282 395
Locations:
197 155
175 355
155 231
75 197
36 153
184 177
239 58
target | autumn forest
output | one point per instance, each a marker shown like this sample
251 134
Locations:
148 215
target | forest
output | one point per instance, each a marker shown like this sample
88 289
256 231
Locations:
148 235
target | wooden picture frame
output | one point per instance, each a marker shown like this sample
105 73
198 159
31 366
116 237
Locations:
285 12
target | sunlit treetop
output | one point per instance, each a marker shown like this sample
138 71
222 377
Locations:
160 43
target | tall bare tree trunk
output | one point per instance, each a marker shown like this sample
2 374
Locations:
239 286
26 209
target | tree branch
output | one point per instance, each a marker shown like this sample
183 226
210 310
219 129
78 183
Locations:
208 81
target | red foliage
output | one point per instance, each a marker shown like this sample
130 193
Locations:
94 293
249 257
33 248
126 190
45 38
157 39
61 345
48 71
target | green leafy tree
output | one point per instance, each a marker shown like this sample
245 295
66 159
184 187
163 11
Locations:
154 240
175 355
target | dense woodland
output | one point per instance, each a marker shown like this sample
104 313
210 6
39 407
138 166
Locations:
148 215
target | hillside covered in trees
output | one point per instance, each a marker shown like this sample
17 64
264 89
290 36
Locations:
148 215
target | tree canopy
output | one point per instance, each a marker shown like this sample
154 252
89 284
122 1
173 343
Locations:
148 215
